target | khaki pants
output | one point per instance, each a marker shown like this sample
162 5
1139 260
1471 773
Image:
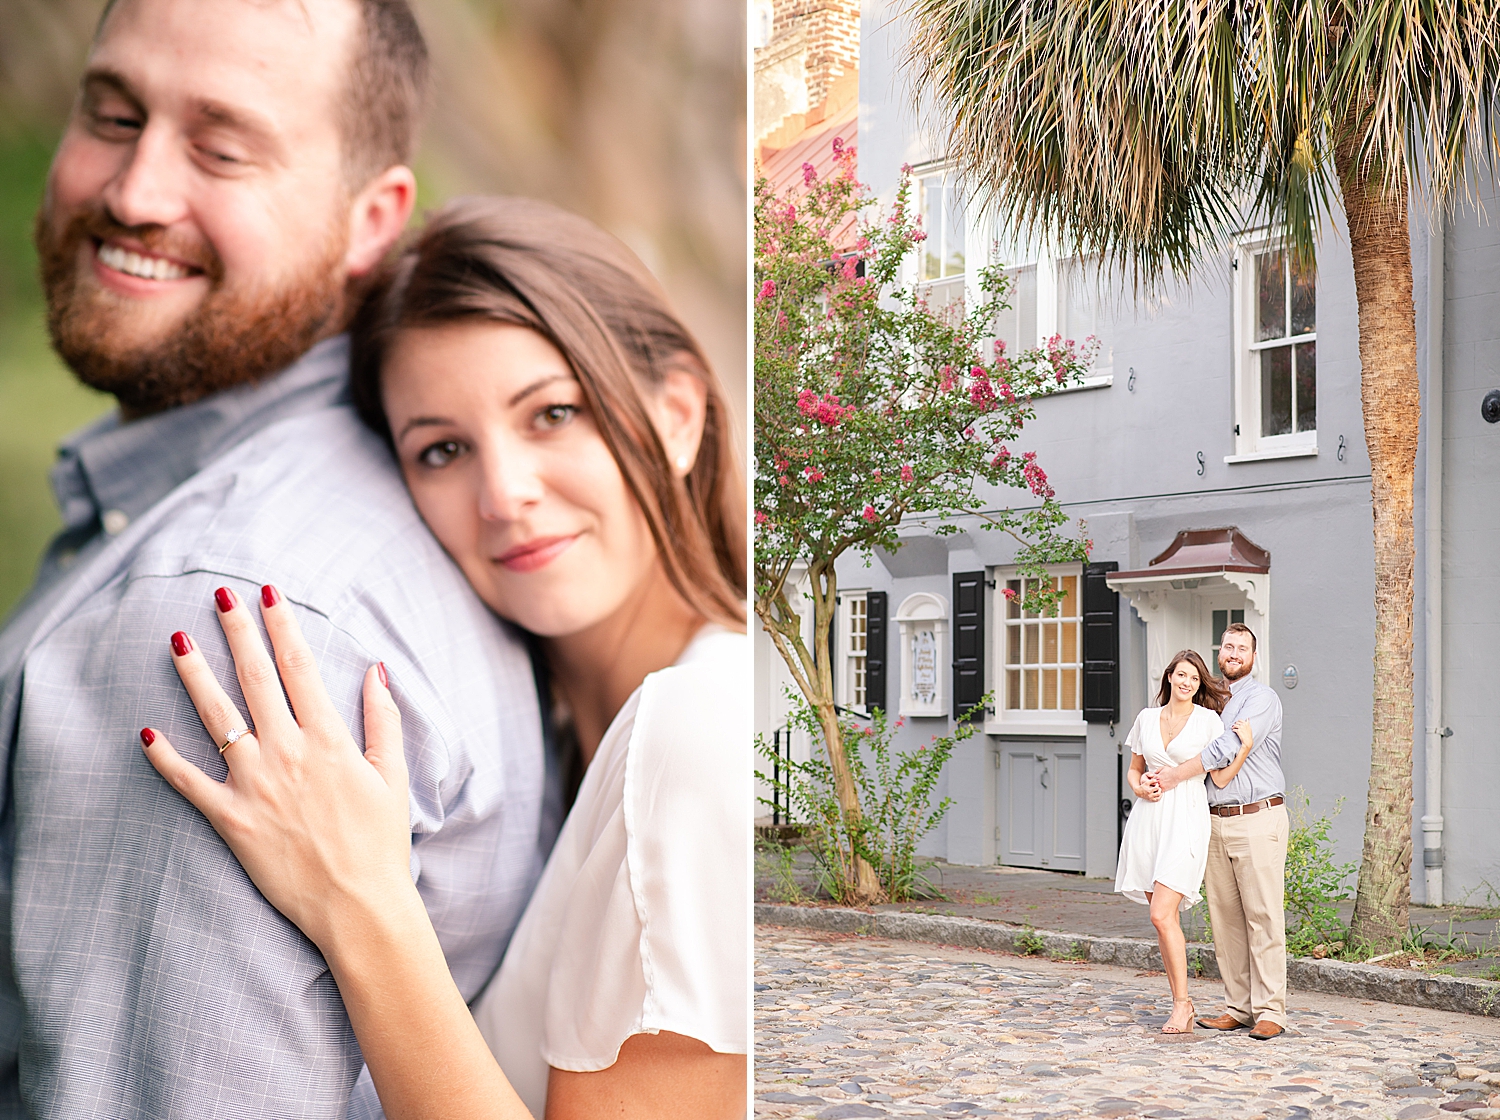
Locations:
1246 903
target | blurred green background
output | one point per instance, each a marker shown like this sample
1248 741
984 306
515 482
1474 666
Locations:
629 111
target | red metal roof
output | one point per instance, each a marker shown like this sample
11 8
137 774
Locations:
1203 552
783 166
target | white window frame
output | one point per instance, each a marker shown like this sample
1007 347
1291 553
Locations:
1002 720
1249 444
844 686
958 286
1050 267
924 612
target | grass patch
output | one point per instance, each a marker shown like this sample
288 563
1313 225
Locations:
40 402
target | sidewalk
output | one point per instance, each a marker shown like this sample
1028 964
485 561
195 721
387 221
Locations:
1049 900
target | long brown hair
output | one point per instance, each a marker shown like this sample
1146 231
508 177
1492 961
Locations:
1212 693
531 264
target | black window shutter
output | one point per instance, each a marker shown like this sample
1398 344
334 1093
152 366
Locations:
1101 645
877 604
968 641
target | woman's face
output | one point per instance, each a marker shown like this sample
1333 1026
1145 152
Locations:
509 471
1184 680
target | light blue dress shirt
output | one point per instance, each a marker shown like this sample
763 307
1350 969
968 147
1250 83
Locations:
1260 777
141 973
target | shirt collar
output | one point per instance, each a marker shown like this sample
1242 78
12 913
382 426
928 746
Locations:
1235 686
112 472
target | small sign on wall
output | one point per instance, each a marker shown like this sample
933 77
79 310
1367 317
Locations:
923 619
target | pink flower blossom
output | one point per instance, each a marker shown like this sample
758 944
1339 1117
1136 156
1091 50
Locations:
767 290
969 432
760 517
825 409
783 480
947 383
809 174
1010 593
813 474
1036 478
838 145
906 472
870 515
981 392
875 474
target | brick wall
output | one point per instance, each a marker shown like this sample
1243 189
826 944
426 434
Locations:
831 31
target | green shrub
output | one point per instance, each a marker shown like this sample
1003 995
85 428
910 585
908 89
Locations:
1315 884
895 791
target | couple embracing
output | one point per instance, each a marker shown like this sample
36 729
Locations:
1211 813
375 732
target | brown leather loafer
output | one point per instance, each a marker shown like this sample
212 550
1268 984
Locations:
1225 1022
1265 1029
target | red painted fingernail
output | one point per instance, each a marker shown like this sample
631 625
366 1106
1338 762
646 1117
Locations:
384 680
182 645
147 736
225 598
269 596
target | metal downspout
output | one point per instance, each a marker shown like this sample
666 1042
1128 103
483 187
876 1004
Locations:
1432 817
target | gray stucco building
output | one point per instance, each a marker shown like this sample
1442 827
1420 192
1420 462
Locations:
1231 404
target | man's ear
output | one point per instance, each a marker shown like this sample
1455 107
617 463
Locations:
377 216
680 409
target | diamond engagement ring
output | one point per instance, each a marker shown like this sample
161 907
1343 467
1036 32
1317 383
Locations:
232 738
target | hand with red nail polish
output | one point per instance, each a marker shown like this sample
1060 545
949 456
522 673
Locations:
350 856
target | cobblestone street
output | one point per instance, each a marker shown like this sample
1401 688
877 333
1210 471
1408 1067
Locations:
854 1026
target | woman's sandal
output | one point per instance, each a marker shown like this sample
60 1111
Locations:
1176 1032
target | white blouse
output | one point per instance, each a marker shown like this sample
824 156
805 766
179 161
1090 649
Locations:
641 921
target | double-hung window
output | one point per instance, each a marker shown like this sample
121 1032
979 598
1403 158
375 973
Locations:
1276 374
941 256
853 645
1051 295
1038 674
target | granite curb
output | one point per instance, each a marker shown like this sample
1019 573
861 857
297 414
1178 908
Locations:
1357 981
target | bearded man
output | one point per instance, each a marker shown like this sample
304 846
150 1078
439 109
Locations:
1248 830
232 172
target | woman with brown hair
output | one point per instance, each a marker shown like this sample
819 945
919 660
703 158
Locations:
1165 846
562 435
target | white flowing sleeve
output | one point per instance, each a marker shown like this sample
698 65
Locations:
658 932
1134 739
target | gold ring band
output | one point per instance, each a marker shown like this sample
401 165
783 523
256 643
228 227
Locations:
232 738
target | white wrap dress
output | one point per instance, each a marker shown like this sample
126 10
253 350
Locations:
641 921
1166 841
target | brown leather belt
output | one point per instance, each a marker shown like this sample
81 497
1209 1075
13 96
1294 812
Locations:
1241 810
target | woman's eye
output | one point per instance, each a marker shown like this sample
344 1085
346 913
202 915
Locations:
555 415
440 454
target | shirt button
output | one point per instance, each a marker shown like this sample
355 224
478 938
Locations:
115 522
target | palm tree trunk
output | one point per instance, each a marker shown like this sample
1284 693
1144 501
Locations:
1391 396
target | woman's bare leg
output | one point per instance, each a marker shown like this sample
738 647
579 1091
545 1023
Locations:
1165 904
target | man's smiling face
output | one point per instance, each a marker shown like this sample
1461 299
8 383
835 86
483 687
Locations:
1236 654
196 222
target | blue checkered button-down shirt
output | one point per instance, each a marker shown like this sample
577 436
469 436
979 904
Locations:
141 973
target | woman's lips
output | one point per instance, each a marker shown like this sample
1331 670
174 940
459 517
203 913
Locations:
534 554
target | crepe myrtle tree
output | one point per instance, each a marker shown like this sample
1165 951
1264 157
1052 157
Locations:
871 407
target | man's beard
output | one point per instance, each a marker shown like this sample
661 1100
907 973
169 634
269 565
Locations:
1233 675
231 338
